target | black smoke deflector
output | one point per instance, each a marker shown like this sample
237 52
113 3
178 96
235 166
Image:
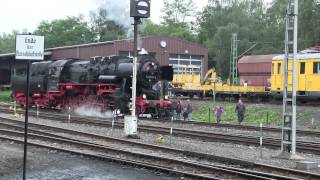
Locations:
167 73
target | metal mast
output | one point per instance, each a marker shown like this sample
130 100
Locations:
288 143
234 59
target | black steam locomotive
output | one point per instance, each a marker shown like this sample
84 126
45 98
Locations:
101 82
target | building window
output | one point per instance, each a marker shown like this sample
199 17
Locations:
302 67
186 64
279 68
316 67
173 62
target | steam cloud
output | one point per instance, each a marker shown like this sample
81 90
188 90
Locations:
92 112
118 11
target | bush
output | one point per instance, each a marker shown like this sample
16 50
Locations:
5 96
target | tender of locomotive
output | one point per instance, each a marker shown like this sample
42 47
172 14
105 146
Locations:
101 82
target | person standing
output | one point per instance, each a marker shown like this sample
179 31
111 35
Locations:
189 110
218 112
240 109
178 110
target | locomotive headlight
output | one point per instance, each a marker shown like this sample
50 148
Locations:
166 97
144 96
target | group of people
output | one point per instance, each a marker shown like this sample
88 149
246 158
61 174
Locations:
240 109
186 111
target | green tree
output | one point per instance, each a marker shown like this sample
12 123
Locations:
180 31
309 23
7 42
178 11
222 18
175 20
62 32
104 28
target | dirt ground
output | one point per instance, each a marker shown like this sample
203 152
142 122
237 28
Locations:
48 165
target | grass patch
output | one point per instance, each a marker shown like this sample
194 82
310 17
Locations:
5 96
254 113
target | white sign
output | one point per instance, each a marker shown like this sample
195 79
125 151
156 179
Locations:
29 47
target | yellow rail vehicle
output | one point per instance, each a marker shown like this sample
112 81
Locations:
308 85
190 85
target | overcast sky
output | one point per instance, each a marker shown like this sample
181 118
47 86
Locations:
27 14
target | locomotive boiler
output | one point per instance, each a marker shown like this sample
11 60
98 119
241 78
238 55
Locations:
100 82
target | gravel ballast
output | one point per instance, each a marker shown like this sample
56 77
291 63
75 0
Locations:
48 164
229 150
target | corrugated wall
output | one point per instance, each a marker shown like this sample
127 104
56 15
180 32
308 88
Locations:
174 46
151 44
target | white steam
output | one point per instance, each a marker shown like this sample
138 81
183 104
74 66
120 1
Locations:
92 112
118 11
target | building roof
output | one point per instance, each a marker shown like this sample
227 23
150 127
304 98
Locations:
317 48
123 40
300 56
256 59
12 55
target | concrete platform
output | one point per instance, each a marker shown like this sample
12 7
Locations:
47 165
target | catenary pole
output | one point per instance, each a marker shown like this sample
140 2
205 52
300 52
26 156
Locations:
295 79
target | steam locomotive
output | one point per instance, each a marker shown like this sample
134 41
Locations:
100 82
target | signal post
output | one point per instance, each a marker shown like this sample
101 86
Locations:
28 48
138 9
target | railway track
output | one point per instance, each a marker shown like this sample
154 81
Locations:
300 132
239 127
302 146
181 162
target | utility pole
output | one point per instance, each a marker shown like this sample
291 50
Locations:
138 9
288 140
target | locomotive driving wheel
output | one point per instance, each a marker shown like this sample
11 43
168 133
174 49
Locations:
81 100
69 102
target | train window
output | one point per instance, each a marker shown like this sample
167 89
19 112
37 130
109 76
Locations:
272 68
302 67
316 67
279 68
